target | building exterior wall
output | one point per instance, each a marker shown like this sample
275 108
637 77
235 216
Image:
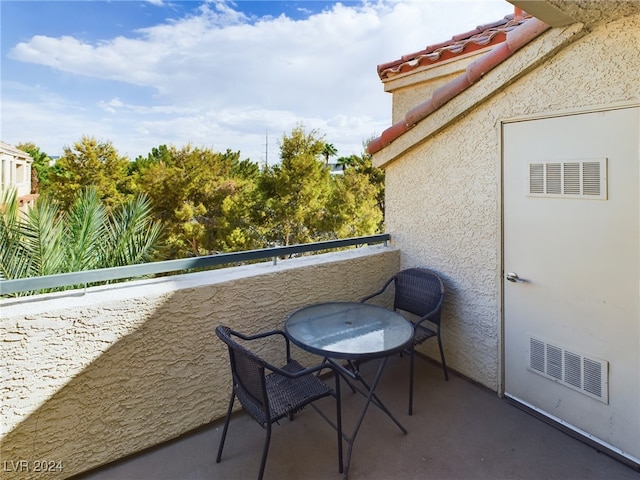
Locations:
15 170
93 376
422 82
443 197
403 97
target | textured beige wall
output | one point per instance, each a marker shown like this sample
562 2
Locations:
422 82
91 377
404 98
443 206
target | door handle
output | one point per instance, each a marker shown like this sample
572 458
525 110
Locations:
513 277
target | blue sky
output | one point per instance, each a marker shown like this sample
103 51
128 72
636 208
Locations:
216 74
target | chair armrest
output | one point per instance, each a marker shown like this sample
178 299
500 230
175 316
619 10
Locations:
428 317
379 292
264 335
301 373
258 335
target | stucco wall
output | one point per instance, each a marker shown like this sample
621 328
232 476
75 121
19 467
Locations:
443 198
90 377
423 81
403 98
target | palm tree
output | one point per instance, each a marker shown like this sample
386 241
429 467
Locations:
48 241
329 151
13 257
346 162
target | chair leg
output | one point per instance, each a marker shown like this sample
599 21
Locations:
226 426
411 359
444 365
265 451
339 422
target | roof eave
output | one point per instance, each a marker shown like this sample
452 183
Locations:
560 13
497 69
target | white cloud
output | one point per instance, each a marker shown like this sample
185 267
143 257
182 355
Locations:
220 79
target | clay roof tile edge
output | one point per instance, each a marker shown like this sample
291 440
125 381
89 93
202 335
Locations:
515 40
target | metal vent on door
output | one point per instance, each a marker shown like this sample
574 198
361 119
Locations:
568 179
574 370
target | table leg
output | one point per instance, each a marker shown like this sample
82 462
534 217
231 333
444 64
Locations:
378 403
371 396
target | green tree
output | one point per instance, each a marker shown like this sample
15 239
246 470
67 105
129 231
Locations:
345 162
294 193
353 206
203 197
49 240
158 154
299 142
14 258
363 164
90 163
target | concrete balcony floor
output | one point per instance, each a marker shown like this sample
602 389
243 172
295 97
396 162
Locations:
459 431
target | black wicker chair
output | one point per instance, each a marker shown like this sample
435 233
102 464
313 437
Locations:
284 391
420 292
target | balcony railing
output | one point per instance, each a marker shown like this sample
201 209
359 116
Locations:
88 277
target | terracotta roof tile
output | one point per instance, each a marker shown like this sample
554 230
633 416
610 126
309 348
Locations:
393 132
476 39
420 111
526 31
482 65
446 92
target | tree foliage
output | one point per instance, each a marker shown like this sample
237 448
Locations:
90 163
14 258
301 201
202 197
48 240
210 201
329 150
354 208
362 164
294 193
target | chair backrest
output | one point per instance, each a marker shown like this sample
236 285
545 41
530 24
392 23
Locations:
419 291
248 372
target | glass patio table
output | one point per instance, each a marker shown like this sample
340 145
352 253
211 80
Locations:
352 332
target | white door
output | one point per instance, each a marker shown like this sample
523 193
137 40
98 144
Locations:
571 237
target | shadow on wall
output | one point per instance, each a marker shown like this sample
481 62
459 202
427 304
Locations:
151 385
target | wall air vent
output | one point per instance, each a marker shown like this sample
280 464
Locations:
568 179
574 370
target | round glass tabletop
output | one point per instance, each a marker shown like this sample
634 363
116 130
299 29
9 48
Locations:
349 330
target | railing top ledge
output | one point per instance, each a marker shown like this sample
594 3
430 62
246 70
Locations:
86 277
